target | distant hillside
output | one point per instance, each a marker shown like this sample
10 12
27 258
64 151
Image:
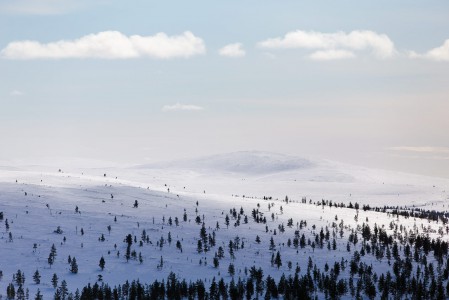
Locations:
245 162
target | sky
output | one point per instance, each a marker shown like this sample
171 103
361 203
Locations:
362 82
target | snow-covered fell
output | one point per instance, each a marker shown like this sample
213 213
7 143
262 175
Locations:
36 202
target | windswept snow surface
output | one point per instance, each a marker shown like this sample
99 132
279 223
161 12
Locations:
38 199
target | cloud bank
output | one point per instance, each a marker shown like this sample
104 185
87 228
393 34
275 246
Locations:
109 45
336 45
437 54
232 50
179 106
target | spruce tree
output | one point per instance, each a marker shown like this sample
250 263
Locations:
199 247
102 263
20 295
10 291
37 277
216 261
77 295
161 263
272 245
57 295
203 234
54 280
140 258
220 253
63 289
52 255
38 295
128 253
74 266
231 269
20 278
277 260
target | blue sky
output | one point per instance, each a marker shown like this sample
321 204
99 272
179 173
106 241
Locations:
358 81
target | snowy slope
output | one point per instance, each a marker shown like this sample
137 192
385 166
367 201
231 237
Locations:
36 203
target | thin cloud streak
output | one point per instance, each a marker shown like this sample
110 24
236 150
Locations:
180 107
44 7
421 149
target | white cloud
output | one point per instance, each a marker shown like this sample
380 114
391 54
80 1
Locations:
109 45
232 50
16 93
358 40
179 106
331 55
438 54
